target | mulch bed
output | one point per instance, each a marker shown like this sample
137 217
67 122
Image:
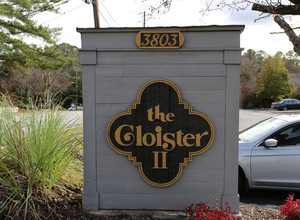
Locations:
71 209
248 212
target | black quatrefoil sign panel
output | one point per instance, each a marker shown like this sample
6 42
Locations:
160 133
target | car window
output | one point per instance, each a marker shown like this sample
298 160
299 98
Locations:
289 136
261 129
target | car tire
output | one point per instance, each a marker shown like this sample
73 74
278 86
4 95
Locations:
285 108
243 182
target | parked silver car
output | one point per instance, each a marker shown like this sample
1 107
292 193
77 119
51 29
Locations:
269 154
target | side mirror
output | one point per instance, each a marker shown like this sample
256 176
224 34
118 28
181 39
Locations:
271 142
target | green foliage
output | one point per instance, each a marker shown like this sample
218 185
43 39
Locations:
74 94
17 24
37 160
260 55
292 62
273 82
58 83
250 67
252 101
296 93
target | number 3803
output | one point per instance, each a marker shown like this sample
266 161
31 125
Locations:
159 39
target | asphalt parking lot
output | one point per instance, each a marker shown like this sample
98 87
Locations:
251 117
246 117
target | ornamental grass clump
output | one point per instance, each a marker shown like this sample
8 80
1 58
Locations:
291 209
38 161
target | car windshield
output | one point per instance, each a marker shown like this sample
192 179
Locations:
260 129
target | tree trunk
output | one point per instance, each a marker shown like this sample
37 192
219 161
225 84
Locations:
289 32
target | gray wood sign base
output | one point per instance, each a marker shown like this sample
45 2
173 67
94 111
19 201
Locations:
205 70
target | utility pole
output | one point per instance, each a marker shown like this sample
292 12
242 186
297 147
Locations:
96 13
144 23
95 10
76 88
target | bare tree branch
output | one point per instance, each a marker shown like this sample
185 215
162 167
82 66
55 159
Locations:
280 9
289 32
162 8
267 8
283 31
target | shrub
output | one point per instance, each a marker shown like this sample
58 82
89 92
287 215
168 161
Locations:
291 209
38 161
204 211
296 93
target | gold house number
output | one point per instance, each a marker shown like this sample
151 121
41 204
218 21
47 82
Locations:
159 39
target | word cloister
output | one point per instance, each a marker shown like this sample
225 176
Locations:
160 133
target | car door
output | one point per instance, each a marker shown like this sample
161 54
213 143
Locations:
289 104
278 166
297 104
292 104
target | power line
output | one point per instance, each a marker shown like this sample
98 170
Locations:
105 19
109 15
54 6
63 14
104 13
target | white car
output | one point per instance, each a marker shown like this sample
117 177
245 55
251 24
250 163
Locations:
74 108
269 154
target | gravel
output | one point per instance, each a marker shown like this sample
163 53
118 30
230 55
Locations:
250 212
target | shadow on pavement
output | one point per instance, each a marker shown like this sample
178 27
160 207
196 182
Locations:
266 197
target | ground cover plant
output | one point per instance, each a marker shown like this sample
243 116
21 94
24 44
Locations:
206 211
39 164
291 209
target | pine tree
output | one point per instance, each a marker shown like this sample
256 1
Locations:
17 26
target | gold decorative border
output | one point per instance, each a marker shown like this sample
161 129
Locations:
186 106
138 39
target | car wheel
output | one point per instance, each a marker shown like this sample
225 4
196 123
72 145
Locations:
243 182
285 108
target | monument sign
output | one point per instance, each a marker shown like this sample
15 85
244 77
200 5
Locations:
160 116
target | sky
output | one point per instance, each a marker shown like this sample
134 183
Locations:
129 13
